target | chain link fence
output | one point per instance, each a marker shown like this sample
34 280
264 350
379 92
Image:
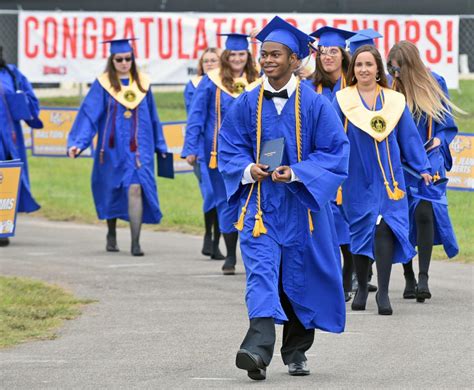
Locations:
466 39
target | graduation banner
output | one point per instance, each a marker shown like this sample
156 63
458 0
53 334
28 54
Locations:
27 130
66 46
10 174
461 176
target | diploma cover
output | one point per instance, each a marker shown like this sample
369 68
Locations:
271 153
165 165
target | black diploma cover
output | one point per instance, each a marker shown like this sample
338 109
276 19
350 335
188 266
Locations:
165 165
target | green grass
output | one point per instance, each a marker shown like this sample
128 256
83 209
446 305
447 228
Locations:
62 186
33 310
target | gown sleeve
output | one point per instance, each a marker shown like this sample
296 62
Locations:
188 95
197 118
158 136
235 147
33 102
326 167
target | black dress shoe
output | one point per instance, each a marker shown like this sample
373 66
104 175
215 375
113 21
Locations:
422 290
347 296
229 266
4 241
298 369
253 363
385 309
410 287
137 250
360 300
207 246
372 287
112 244
216 252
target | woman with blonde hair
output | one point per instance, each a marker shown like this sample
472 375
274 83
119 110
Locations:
210 59
213 97
428 100
381 132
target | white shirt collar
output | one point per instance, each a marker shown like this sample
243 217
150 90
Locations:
290 86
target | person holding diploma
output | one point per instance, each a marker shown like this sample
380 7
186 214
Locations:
428 100
209 60
287 235
215 94
17 102
120 108
381 132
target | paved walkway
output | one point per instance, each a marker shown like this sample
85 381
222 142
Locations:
170 320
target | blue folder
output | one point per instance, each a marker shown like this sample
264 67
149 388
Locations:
271 153
165 162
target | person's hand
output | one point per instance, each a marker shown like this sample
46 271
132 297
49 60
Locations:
282 174
73 151
258 172
436 142
427 178
191 159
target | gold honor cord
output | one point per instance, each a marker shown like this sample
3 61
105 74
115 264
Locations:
217 125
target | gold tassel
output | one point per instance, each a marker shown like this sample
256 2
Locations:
436 176
310 221
259 228
239 225
397 192
213 160
339 196
389 191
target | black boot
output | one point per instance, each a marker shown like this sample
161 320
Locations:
111 245
216 252
410 281
362 269
422 290
231 244
4 241
208 222
347 270
136 249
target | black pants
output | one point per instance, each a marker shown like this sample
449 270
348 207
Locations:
260 338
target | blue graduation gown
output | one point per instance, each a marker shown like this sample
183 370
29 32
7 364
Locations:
364 195
12 144
342 226
204 180
112 177
201 121
441 161
310 263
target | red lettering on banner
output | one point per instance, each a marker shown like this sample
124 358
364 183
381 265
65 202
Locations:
106 35
200 35
30 53
318 23
248 22
292 21
181 55
88 36
219 22
339 22
161 39
233 27
391 24
449 58
412 31
435 57
70 38
146 24
129 32
50 45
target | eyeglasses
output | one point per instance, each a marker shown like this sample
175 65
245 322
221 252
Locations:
213 61
392 69
121 59
331 52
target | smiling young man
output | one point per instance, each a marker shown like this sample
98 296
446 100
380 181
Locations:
288 240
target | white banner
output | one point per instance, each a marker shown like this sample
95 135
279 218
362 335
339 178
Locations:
65 46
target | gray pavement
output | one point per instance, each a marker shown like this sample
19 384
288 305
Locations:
170 320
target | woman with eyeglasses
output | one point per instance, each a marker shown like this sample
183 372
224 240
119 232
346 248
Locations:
17 102
381 132
209 60
428 100
332 62
120 110
214 95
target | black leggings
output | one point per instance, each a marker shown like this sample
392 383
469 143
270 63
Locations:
347 268
424 220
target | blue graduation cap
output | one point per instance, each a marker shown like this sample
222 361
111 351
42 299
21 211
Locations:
236 41
363 37
120 45
331 36
280 31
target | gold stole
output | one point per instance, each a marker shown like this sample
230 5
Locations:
239 82
129 96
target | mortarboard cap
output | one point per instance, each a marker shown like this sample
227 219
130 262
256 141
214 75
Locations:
236 41
280 31
363 37
120 45
331 36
